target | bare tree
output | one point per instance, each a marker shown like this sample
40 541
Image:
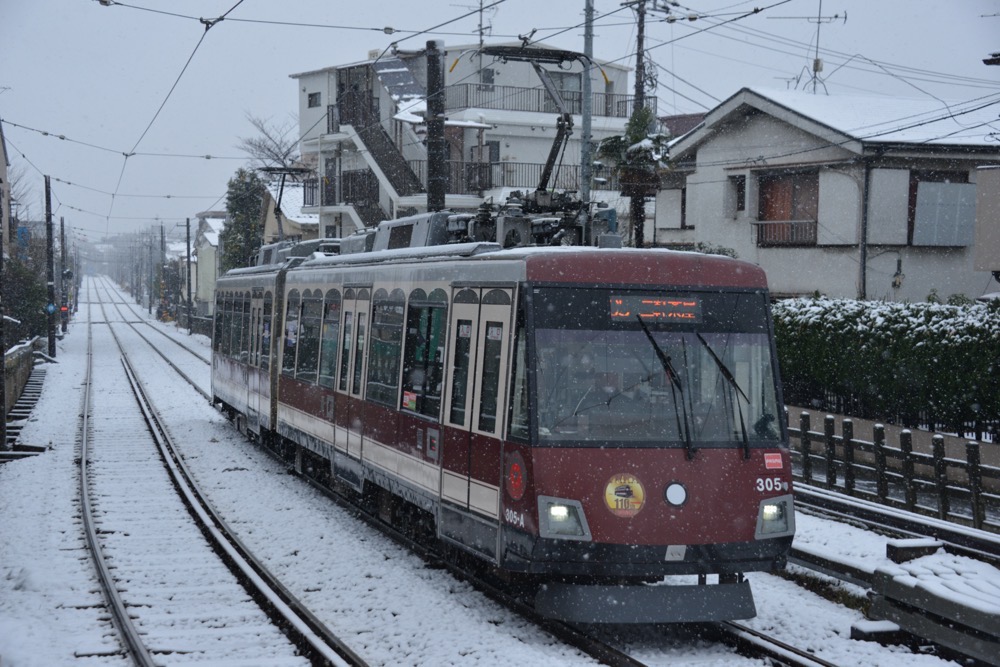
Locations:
276 145
21 192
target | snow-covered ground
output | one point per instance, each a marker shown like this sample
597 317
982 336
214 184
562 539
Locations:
384 600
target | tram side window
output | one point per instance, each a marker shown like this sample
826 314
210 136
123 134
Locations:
308 357
235 336
227 326
265 337
245 330
383 356
423 361
217 324
460 376
519 426
328 339
254 357
359 347
490 383
291 334
345 350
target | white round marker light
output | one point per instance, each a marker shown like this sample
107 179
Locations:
676 494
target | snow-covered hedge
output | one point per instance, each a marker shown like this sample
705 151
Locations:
892 360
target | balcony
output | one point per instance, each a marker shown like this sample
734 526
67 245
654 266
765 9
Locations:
513 98
471 178
781 233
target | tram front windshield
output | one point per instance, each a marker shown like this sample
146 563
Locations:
648 368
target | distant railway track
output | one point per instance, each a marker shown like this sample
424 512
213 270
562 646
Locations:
201 390
142 509
118 303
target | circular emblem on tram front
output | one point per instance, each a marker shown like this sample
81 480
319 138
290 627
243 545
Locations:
624 495
516 481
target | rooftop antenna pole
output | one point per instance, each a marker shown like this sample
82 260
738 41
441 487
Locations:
817 64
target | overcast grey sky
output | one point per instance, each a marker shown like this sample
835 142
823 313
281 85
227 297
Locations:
98 75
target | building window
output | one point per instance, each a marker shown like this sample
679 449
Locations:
740 190
493 148
684 204
788 209
313 100
942 209
487 76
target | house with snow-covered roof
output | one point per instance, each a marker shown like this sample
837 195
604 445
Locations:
868 197
283 202
362 128
208 260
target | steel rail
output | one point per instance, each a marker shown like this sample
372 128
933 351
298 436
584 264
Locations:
957 539
296 620
165 358
141 320
129 633
759 644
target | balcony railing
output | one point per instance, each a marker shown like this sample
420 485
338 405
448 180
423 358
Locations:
514 98
771 233
471 178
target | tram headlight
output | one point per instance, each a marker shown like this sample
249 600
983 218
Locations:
562 519
775 517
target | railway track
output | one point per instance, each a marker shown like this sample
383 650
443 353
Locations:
119 302
176 583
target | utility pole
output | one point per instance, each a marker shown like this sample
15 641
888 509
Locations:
51 306
151 273
586 154
3 346
187 264
640 56
437 168
161 283
63 312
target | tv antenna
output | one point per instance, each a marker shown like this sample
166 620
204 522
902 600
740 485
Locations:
819 20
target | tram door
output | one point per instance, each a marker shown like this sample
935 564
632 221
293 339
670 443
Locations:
349 408
474 413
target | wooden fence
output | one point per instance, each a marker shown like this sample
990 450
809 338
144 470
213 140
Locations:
963 491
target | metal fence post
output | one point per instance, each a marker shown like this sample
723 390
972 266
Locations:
805 447
940 475
975 484
831 452
849 456
881 483
909 489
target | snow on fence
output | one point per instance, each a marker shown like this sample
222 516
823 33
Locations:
961 490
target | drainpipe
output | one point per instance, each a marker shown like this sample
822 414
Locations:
863 287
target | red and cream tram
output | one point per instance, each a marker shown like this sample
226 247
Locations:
594 420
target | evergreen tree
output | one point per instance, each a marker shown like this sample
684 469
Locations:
243 232
637 156
25 296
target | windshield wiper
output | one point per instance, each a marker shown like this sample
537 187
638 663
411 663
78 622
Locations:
728 374
675 388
